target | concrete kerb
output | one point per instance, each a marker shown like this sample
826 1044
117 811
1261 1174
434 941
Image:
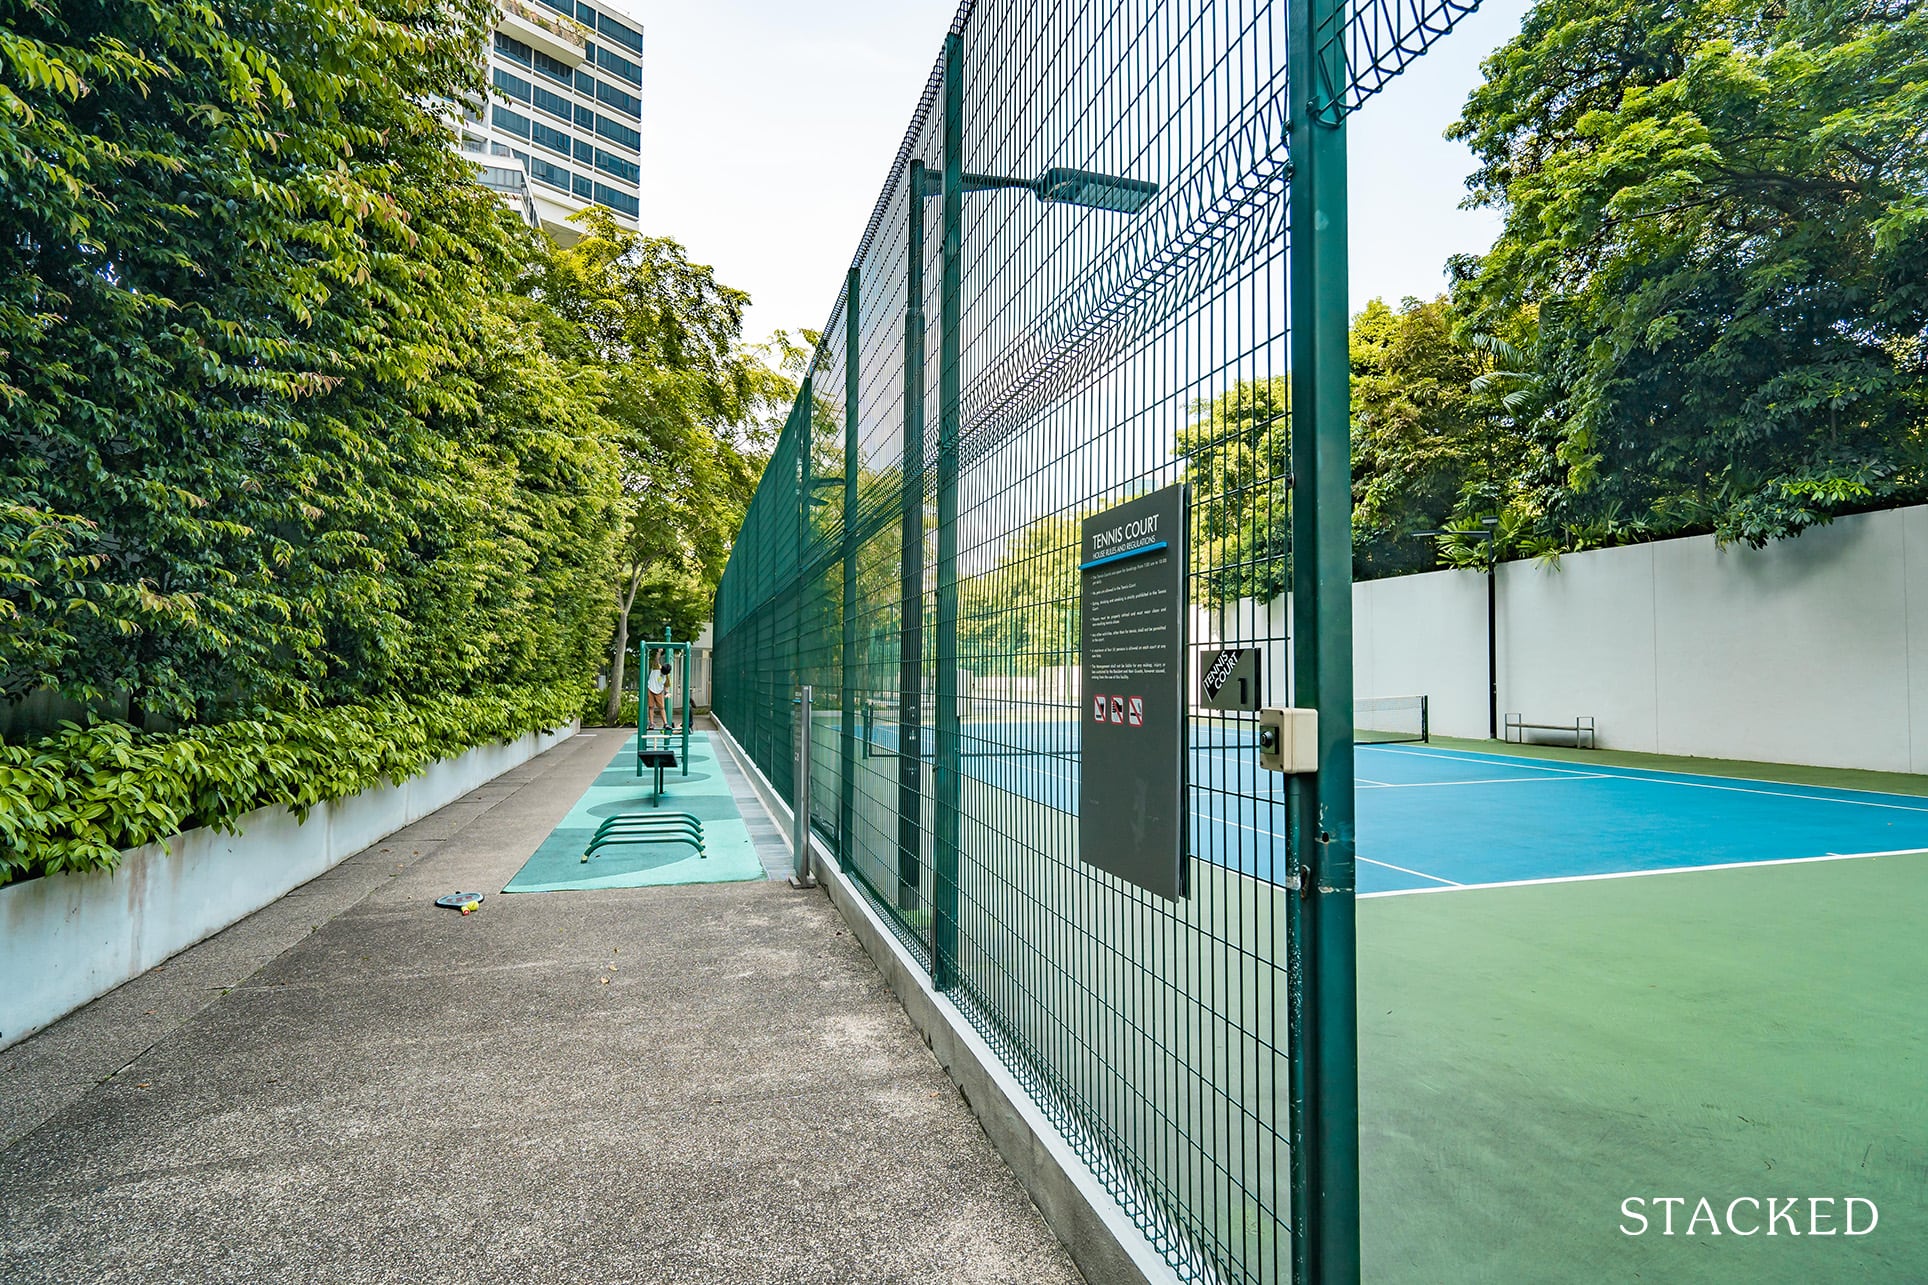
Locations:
72 937
1101 1238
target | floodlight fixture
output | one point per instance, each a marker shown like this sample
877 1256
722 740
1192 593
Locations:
1096 191
1088 188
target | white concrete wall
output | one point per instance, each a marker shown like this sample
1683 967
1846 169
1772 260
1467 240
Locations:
1812 650
1424 636
68 938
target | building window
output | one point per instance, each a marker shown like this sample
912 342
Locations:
615 133
514 122
628 37
549 137
585 151
514 50
512 85
628 104
566 8
584 14
585 84
621 202
617 167
614 63
585 188
554 104
543 172
553 68
585 119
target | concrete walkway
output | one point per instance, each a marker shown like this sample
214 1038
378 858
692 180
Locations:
688 1084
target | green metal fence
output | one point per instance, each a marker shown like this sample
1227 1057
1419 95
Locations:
1084 279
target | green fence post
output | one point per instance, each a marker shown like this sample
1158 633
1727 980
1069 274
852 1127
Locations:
847 780
800 624
910 648
949 769
1324 1048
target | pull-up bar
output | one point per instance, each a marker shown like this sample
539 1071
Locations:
652 743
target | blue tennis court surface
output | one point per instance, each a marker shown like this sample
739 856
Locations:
1451 817
1434 818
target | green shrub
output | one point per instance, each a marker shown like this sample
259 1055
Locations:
595 710
73 801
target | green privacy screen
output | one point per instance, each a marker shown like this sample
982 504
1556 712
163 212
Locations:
1084 281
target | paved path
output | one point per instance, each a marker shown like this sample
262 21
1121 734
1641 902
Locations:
659 1085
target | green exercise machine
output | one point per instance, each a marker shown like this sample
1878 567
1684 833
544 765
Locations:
656 750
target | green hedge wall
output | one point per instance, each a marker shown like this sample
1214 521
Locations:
73 801
294 456
285 423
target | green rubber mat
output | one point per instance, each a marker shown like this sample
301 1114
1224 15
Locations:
557 866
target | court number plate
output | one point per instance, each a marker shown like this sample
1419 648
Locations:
1231 679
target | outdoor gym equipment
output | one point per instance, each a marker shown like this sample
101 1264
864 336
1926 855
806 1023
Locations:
634 828
656 751
653 749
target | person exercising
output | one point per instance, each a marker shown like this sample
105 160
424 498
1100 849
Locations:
659 698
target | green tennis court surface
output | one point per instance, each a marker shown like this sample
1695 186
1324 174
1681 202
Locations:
1589 977
1533 1056
557 865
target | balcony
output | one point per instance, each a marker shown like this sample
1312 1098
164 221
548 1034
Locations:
552 33
504 173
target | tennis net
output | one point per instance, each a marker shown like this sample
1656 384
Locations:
1385 720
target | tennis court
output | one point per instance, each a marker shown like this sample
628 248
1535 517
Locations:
1547 1038
1435 818
1545 1034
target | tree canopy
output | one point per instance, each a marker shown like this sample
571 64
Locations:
1707 310
274 407
1720 210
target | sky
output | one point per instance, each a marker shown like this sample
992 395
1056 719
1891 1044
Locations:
770 126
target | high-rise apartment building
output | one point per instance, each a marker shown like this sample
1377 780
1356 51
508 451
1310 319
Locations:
560 129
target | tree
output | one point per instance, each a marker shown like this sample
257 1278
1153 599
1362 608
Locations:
1022 614
280 421
690 404
1721 207
1237 457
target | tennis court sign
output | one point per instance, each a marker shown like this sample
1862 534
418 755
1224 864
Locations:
1231 679
1132 814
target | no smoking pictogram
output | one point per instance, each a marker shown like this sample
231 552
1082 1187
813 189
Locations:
1117 709
1135 711
1098 708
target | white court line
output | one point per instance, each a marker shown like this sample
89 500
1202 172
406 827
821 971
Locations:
1641 874
1421 874
1272 834
1494 780
1490 760
1636 774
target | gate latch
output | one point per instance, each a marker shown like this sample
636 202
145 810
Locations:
1289 740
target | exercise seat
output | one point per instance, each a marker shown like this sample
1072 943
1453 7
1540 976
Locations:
656 758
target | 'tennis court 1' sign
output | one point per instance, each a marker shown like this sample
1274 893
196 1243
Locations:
1132 811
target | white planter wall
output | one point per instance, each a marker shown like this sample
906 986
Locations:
70 938
1812 650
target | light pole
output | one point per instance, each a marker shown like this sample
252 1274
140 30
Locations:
1489 530
1058 186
